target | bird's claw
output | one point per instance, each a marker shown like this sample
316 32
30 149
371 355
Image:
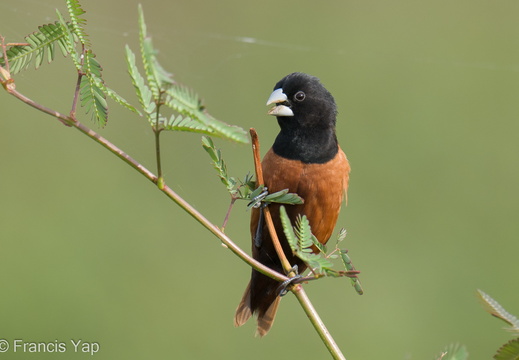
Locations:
282 288
256 201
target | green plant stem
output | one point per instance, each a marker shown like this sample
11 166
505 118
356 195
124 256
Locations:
233 200
157 152
78 85
157 131
69 121
318 324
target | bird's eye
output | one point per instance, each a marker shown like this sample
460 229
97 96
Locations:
299 96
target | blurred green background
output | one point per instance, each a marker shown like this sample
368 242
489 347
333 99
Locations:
428 101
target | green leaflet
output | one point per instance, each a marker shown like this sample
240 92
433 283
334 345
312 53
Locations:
299 238
302 243
509 351
77 22
141 89
92 96
40 42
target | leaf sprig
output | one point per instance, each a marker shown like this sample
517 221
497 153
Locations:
68 35
246 189
306 247
157 88
39 43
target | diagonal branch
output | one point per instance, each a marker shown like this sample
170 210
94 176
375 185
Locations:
215 230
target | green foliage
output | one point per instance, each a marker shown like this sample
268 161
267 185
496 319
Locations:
157 88
68 34
141 89
306 247
92 96
300 239
509 351
77 22
219 164
280 197
39 44
246 189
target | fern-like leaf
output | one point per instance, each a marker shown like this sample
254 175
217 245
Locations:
40 42
509 351
157 88
143 92
300 241
75 11
91 94
115 96
348 265
304 234
284 197
288 230
224 130
186 102
219 164
180 123
69 41
158 78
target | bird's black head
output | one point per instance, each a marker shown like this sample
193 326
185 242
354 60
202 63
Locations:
306 113
302 100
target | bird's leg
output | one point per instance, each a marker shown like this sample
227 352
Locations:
282 288
258 236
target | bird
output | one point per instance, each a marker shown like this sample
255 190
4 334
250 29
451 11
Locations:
305 159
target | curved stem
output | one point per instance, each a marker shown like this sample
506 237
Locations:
157 152
157 131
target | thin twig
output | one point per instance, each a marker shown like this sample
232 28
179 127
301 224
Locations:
17 44
65 120
78 85
157 130
4 53
226 219
268 217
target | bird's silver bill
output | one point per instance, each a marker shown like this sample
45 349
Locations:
279 98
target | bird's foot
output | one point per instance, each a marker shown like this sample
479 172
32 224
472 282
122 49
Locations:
282 289
257 200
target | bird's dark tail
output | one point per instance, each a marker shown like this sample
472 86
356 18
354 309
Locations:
266 312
